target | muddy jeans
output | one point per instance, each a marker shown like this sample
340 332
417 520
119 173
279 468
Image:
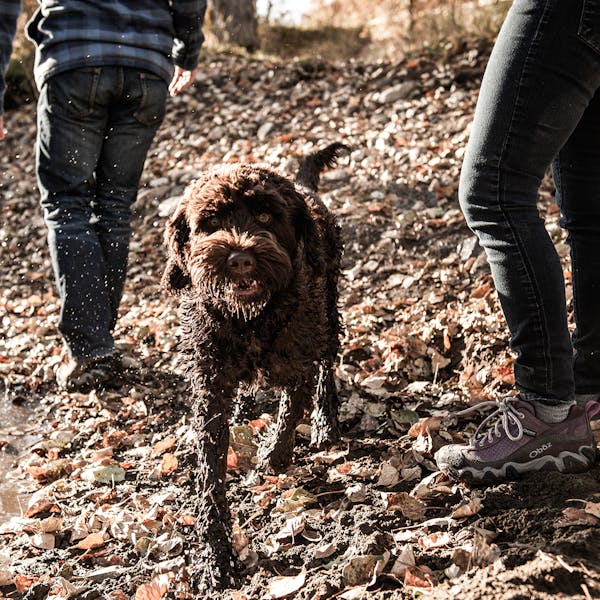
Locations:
95 126
539 105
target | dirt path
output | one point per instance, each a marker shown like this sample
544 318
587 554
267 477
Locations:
110 516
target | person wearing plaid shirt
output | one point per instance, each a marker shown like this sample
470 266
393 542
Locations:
104 69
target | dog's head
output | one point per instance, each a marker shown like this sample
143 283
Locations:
237 237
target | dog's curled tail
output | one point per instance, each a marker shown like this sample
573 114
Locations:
313 164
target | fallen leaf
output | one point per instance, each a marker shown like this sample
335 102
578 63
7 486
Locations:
43 541
6 578
410 507
470 508
293 500
425 426
40 507
282 587
232 459
418 577
258 425
163 446
293 526
388 475
405 560
104 474
576 516
434 540
325 550
23 583
154 590
168 464
360 569
357 493
593 508
93 540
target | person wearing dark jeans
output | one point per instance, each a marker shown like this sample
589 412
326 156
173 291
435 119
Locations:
539 105
104 71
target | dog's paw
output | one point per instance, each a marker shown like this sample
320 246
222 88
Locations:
213 570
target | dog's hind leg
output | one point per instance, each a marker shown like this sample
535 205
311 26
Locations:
212 564
324 418
279 447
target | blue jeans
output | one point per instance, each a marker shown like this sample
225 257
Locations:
95 126
539 105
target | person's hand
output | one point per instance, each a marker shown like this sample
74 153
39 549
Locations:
1 128
181 80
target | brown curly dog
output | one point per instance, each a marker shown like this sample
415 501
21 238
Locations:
255 259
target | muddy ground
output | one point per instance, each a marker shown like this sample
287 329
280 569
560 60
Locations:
106 491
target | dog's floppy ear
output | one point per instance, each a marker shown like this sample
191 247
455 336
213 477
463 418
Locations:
177 234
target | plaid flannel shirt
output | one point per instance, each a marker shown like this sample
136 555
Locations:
146 34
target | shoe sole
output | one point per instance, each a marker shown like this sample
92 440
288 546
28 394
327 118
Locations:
565 462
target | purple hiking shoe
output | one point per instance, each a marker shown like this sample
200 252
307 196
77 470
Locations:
512 441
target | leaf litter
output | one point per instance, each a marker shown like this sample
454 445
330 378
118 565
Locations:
105 476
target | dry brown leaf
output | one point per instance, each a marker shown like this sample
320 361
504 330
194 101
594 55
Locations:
168 464
405 560
43 541
232 459
388 475
576 516
258 425
410 507
593 508
472 507
419 577
434 540
94 540
154 590
23 583
43 506
163 446
6 578
424 426
50 471
187 519
325 550
282 587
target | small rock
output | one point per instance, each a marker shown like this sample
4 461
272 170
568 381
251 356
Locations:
264 131
397 92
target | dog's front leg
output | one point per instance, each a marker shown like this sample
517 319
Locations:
324 418
279 447
212 564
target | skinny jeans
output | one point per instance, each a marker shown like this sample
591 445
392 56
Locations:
95 126
539 106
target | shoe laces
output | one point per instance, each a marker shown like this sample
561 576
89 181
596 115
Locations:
499 421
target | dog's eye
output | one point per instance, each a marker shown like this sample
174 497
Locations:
210 223
264 218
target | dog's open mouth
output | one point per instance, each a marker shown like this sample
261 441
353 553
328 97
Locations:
246 288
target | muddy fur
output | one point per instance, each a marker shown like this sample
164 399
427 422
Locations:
255 260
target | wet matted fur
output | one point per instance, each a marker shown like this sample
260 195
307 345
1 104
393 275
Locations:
255 260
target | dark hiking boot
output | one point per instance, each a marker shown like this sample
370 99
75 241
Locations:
80 374
512 441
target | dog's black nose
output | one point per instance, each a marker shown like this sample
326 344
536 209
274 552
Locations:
241 263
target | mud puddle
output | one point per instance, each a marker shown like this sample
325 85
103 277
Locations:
17 433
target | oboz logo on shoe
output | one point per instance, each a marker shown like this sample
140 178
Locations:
540 450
